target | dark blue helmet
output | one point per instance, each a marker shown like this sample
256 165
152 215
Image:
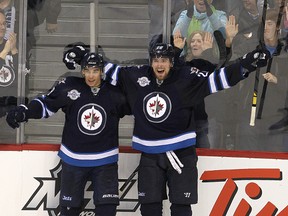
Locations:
92 60
162 50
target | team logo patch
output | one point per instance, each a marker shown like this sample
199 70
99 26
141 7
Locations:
91 119
73 94
63 80
143 81
157 107
7 76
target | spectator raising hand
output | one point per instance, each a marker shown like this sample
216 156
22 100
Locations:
207 41
178 40
199 45
231 30
12 41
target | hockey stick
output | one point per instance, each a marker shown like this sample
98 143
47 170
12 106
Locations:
262 47
264 89
260 109
221 47
254 99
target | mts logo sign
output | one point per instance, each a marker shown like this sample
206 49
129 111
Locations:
252 189
47 194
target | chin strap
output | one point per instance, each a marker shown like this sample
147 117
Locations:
175 162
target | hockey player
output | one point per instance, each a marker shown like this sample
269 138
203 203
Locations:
162 99
89 147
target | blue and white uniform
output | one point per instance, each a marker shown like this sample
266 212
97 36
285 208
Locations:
164 111
90 134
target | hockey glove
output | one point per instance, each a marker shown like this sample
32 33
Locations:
17 115
73 56
208 8
254 59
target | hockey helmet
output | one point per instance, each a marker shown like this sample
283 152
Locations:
92 60
162 50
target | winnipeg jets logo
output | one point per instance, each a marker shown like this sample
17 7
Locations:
7 76
73 94
91 119
157 107
143 81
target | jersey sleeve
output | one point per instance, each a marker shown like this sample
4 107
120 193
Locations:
207 82
112 72
118 75
48 104
226 77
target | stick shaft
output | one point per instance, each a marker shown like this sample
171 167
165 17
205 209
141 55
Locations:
254 98
264 89
262 47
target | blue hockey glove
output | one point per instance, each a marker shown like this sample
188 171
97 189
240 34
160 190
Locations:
17 115
73 54
254 59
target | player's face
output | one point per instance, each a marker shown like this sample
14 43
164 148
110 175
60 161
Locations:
161 67
92 76
2 26
270 30
196 45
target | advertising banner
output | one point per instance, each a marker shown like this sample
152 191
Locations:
30 185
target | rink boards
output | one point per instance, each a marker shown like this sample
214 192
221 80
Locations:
229 182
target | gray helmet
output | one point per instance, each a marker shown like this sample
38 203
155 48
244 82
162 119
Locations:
92 60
